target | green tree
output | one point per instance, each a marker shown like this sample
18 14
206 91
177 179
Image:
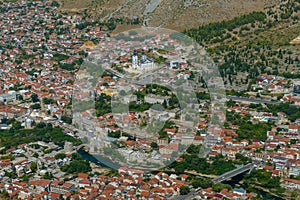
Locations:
33 166
201 182
48 175
184 190
36 155
76 156
48 101
154 145
60 156
66 119
77 166
34 98
36 106
219 186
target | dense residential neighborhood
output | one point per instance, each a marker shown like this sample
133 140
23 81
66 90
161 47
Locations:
44 156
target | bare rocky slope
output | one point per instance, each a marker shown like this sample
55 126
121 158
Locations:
174 14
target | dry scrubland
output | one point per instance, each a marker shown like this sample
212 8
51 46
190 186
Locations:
170 14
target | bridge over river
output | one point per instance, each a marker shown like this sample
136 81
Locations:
236 172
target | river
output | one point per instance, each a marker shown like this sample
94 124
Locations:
234 182
98 160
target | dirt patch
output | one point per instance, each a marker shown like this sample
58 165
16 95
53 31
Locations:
89 45
296 40
124 27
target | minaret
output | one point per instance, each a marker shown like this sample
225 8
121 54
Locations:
135 60
144 57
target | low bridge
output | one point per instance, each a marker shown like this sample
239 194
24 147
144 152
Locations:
235 172
86 146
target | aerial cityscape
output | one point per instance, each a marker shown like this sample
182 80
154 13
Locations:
154 99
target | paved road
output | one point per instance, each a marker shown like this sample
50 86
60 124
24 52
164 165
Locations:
253 100
190 195
146 78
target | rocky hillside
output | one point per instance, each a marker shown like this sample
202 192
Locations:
174 14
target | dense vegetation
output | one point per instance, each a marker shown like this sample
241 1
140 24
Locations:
264 179
103 105
110 24
77 166
252 44
184 190
291 111
133 106
167 124
217 29
117 134
251 131
43 132
66 119
194 162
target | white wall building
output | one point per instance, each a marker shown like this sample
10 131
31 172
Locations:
143 64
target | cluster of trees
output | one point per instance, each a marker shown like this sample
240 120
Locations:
220 186
218 29
157 89
133 106
290 110
42 132
66 119
117 134
77 164
264 179
152 89
167 124
183 190
251 131
243 159
194 162
48 101
203 96
59 57
48 175
71 66
236 118
202 182
60 156
103 105
55 3
111 25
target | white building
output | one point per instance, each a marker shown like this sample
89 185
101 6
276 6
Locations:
143 64
152 98
130 98
8 97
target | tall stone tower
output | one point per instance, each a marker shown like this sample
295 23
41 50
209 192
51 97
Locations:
135 61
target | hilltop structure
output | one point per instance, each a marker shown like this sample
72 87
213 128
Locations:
143 64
